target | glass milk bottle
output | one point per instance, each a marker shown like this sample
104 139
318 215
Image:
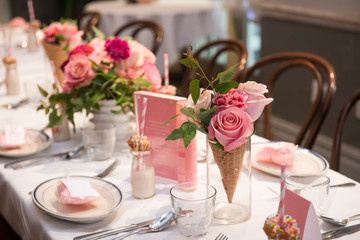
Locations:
142 175
12 81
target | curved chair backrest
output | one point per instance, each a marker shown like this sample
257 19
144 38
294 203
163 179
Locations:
137 26
91 18
215 49
336 147
323 72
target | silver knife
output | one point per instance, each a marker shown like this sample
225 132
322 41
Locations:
26 162
109 232
340 232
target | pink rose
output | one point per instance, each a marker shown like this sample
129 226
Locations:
71 34
50 31
231 127
203 102
78 72
139 54
256 100
152 74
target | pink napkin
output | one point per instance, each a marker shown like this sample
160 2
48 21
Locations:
76 192
277 153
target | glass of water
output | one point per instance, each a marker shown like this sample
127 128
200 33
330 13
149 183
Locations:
194 204
99 141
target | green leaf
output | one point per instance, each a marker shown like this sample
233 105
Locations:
143 83
188 111
54 119
217 144
205 116
176 134
98 33
195 90
225 87
172 118
42 91
189 133
225 77
189 62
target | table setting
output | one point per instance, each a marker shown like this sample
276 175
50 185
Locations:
104 182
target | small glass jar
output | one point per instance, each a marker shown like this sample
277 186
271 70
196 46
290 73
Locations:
11 76
142 175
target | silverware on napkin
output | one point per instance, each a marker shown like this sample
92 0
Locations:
110 232
27 162
340 232
16 104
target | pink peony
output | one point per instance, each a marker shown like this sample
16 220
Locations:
117 49
231 127
78 73
50 31
152 74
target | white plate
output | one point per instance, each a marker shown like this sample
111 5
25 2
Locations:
111 198
35 141
306 162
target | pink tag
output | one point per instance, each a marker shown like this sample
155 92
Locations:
303 211
14 135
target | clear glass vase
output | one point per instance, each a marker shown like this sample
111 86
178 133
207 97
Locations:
231 176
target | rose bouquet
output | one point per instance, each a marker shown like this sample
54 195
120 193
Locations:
225 111
102 70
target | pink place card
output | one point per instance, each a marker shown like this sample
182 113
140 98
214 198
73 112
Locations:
303 211
14 135
171 159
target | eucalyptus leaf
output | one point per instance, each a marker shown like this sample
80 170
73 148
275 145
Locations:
205 116
225 87
188 111
189 62
172 118
195 90
175 134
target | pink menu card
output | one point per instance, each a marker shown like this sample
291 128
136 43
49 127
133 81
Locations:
171 159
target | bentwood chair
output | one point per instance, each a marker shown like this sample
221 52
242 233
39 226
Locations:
318 69
336 147
135 27
86 21
213 57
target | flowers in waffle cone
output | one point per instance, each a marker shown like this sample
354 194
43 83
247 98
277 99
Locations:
225 111
92 73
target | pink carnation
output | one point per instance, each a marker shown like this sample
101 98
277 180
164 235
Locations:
117 49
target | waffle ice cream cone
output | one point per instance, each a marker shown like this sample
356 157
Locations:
229 164
57 54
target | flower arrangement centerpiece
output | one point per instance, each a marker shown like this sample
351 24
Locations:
101 71
59 38
225 111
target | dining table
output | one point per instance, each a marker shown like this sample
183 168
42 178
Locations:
184 22
31 222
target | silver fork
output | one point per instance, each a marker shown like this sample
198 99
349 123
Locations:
109 169
221 236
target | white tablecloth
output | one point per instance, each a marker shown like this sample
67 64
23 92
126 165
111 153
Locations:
183 21
31 223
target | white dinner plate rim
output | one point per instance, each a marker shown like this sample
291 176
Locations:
77 219
255 164
12 154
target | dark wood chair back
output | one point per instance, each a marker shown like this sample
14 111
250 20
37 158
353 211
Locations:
213 51
86 21
133 29
336 146
324 74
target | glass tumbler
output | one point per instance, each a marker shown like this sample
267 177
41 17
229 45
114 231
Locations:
194 204
99 141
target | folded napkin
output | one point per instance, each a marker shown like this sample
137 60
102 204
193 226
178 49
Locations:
76 192
277 153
